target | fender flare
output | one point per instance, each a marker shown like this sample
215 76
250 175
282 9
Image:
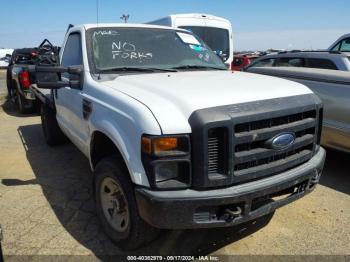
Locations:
137 175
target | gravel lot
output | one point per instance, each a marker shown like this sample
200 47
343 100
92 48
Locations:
46 207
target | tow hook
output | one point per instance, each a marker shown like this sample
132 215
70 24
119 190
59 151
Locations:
232 214
316 177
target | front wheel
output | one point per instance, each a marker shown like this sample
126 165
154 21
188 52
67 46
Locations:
117 209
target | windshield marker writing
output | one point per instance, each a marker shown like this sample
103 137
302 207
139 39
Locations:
127 50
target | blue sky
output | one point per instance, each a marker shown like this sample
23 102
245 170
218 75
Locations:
257 24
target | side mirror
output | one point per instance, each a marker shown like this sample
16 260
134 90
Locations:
49 77
74 84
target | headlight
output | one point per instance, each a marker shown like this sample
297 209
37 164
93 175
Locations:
167 161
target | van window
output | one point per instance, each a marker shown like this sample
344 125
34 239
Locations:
321 63
291 61
216 38
72 54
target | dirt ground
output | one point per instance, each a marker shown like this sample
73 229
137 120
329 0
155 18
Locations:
3 89
46 207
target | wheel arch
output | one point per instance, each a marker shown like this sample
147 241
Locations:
103 145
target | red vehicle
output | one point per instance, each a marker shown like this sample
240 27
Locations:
241 61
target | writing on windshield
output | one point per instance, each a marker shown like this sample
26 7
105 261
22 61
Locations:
147 48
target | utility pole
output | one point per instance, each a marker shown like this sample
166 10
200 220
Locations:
125 18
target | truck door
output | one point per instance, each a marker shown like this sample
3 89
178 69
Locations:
69 102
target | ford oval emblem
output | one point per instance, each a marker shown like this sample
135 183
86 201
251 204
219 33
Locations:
281 141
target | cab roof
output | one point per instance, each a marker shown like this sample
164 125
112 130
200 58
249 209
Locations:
89 26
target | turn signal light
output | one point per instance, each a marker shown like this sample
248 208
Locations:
146 145
161 146
165 144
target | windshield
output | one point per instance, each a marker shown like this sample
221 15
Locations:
216 38
115 48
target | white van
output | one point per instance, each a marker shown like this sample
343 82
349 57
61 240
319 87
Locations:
215 31
5 57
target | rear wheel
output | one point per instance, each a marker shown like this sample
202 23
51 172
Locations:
9 82
12 95
116 206
52 132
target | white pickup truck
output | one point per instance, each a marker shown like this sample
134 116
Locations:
174 139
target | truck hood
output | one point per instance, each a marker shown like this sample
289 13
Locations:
173 97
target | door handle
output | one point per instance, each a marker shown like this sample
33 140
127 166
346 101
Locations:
87 108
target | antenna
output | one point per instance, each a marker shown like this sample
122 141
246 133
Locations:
97 11
125 18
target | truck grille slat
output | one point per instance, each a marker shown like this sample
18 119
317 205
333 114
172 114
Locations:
272 122
265 133
276 166
217 151
213 154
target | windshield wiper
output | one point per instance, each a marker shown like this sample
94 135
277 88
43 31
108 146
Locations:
198 67
137 69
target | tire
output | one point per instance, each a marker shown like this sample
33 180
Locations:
37 106
134 232
52 132
20 102
9 82
12 96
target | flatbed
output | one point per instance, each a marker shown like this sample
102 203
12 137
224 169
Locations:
44 95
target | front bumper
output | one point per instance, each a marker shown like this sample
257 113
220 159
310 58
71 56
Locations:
203 209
